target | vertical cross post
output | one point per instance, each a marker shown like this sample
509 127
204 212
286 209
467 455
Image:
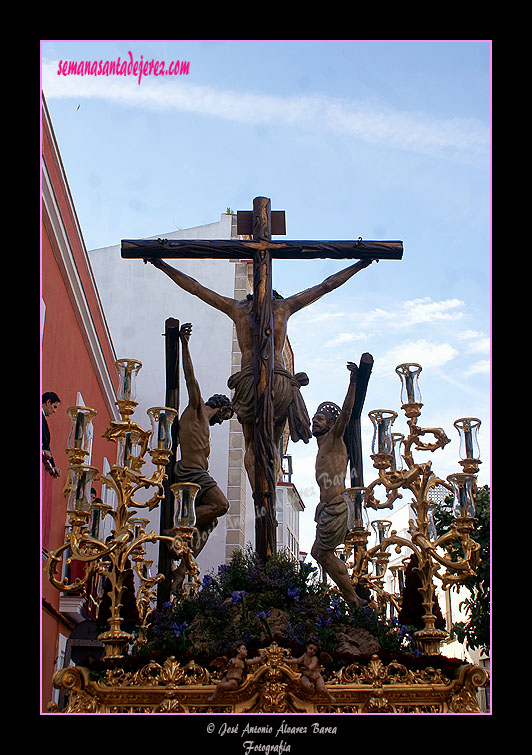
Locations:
352 436
353 440
166 521
265 477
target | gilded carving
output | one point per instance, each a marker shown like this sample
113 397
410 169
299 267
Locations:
272 687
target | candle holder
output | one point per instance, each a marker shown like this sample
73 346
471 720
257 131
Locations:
128 370
99 511
131 447
80 435
469 449
128 536
386 455
431 526
82 477
381 527
380 561
453 557
146 593
410 393
464 489
162 419
396 463
382 420
182 533
398 576
358 517
398 582
357 536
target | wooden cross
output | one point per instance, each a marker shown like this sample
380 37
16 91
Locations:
166 517
261 223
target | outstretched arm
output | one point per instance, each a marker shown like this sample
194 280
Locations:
303 299
222 303
341 423
294 661
194 392
254 661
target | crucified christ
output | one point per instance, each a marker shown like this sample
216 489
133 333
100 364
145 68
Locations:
261 330
287 400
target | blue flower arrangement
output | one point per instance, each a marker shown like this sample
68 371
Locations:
249 601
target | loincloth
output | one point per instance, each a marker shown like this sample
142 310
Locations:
288 402
333 522
193 474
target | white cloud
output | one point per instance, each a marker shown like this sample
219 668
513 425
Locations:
477 342
465 335
322 316
424 352
405 315
479 368
412 131
415 312
346 338
482 346
425 310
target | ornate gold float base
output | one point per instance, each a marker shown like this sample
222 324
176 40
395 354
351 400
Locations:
272 687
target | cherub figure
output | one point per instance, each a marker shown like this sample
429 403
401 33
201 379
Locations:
235 671
311 679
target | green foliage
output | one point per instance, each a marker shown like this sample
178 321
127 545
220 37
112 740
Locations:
475 632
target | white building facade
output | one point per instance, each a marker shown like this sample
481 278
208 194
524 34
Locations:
288 506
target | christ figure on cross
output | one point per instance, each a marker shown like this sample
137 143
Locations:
287 400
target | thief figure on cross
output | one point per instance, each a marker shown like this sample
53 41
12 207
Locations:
261 325
194 441
332 513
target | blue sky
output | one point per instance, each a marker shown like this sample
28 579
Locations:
379 139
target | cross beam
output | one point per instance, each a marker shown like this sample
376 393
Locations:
235 249
260 224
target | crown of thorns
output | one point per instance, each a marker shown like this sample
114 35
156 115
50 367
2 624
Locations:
329 409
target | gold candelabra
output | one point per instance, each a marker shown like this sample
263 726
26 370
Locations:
436 556
126 543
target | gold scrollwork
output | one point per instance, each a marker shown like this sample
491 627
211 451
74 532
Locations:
273 687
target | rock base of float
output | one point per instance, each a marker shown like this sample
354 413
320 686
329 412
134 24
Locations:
271 687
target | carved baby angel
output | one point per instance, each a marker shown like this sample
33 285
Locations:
235 670
311 679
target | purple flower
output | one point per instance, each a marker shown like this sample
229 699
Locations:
334 607
262 615
321 621
293 593
178 629
238 596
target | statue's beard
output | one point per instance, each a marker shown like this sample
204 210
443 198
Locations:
317 433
